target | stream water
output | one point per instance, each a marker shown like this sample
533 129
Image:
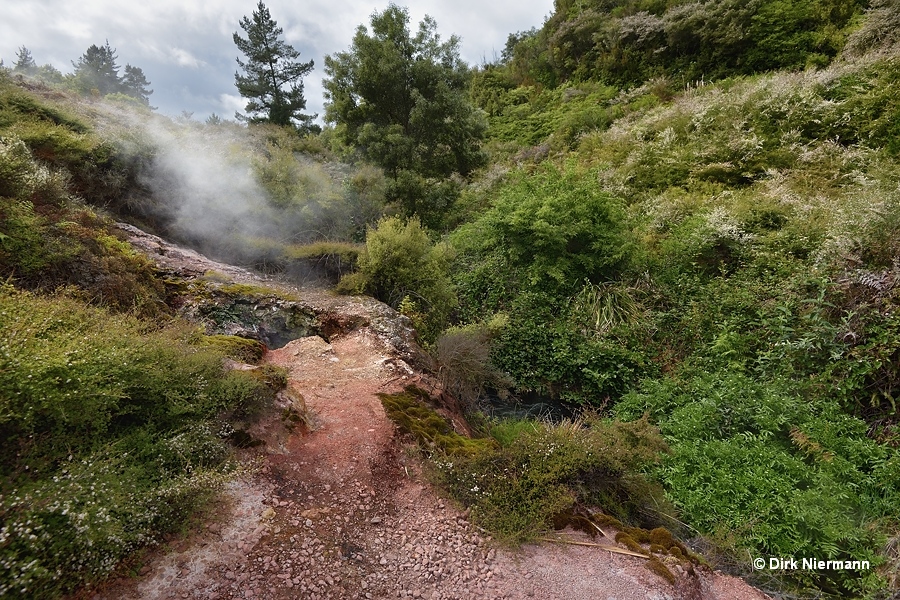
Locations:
528 406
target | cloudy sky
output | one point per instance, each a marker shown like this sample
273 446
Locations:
186 50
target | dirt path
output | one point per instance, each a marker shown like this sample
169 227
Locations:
343 511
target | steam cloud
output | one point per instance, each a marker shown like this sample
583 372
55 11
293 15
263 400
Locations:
234 194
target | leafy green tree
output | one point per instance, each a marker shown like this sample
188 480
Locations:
25 62
401 99
272 79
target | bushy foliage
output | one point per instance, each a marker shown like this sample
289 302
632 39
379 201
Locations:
535 116
757 302
545 235
632 41
111 437
517 488
552 228
49 239
524 474
800 460
547 351
878 31
402 268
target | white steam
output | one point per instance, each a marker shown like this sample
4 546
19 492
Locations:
232 193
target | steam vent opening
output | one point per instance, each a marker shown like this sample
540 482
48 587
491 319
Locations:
272 320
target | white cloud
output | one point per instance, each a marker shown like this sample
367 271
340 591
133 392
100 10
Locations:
183 58
230 104
186 50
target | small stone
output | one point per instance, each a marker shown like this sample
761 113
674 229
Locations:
375 520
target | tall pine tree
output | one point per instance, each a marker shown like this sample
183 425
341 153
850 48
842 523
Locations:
97 70
25 62
272 79
135 84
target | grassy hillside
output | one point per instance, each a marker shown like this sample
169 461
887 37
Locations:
723 258
689 227
114 414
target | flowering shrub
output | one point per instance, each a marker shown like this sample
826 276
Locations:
112 434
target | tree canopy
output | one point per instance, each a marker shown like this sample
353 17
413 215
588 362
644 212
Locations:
273 77
401 99
96 69
135 84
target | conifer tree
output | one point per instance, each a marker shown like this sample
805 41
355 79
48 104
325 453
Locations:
272 75
97 70
25 62
135 84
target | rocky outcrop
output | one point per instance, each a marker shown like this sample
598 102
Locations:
227 299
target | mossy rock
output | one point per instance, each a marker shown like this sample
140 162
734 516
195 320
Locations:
236 347
408 409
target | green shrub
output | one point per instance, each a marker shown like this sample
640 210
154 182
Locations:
526 473
555 228
113 435
824 488
547 352
400 262
540 471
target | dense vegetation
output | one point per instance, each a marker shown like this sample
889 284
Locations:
114 415
717 255
682 217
